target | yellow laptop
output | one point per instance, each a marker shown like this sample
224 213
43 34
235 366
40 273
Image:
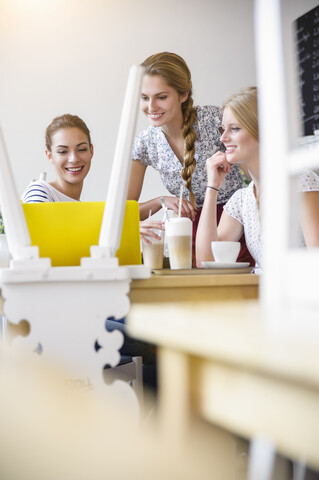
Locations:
64 231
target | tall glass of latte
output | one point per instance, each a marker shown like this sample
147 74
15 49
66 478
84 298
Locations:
178 233
153 252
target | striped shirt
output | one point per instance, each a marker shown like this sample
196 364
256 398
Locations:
41 191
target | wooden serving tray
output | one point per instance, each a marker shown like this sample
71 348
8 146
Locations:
202 271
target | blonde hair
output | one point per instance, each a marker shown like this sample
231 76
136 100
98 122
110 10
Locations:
244 106
65 121
176 73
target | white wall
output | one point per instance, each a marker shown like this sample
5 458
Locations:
59 56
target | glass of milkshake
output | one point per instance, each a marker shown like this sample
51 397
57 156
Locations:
179 241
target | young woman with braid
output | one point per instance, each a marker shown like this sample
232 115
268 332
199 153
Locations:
178 141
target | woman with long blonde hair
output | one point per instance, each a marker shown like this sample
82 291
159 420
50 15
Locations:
242 214
177 143
239 134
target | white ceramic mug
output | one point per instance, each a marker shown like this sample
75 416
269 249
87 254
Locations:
178 232
225 252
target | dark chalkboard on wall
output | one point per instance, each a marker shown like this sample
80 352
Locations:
307 37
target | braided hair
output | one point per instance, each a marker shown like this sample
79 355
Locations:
176 73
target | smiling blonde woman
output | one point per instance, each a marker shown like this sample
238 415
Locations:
177 143
242 213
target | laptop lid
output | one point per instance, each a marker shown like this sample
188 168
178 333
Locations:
64 231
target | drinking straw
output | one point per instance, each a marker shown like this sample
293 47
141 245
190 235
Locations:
150 214
164 208
180 201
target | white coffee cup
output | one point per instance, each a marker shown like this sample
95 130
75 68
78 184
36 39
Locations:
153 253
225 252
178 233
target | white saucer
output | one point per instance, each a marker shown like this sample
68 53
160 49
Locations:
225 265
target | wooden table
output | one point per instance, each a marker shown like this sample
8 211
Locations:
168 287
219 361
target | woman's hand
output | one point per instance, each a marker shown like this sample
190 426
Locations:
147 229
187 209
217 168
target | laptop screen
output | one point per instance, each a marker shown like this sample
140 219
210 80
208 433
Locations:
64 231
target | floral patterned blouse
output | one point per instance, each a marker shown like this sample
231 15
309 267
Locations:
152 149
